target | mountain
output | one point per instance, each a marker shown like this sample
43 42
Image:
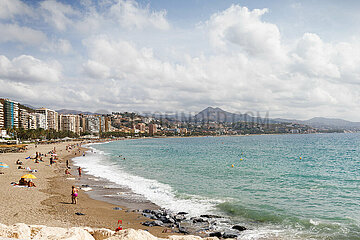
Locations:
68 111
320 122
29 106
218 115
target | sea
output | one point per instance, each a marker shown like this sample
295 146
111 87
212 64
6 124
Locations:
296 186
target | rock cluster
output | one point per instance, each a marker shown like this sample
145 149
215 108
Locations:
203 225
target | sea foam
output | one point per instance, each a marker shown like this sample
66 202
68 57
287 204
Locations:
98 163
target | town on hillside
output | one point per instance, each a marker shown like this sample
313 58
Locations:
18 121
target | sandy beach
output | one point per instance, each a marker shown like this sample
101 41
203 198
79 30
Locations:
49 203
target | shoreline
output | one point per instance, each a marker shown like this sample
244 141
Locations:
50 202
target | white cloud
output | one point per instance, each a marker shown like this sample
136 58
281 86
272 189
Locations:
244 28
28 69
16 33
131 15
58 14
11 8
96 70
247 67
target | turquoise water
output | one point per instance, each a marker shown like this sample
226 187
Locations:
285 186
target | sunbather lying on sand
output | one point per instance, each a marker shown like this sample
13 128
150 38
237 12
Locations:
23 182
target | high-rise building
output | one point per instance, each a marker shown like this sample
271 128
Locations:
41 121
82 123
32 121
92 124
107 124
24 119
70 123
2 125
11 114
51 118
152 129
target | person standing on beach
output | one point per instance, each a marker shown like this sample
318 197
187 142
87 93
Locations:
74 195
79 170
67 163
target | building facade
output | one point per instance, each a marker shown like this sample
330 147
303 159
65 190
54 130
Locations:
32 121
70 123
41 121
92 124
152 129
51 118
24 119
2 125
11 114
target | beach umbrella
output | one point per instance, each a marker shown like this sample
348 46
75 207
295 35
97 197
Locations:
28 176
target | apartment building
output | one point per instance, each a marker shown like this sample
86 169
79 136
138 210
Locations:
51 118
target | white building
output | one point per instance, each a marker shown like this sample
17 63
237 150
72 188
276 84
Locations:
51 118
92 124
41 121
32 121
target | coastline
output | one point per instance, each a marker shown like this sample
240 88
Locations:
50 203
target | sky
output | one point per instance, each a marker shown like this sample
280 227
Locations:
287 58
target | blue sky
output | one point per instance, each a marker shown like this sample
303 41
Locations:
291 58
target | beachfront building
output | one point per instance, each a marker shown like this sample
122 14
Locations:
108 124
1 116
32 121
152 129
92 124
140 127
51 118
24 119
70 123
11 114
82 123
41 121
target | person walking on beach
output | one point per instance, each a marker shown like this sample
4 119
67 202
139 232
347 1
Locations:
67 163
79 170
74 195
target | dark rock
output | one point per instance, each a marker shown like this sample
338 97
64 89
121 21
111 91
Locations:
152 223
196 220
117 208
167 220
79 213
146 211
182 213
239 228
228 234
157 212
215 234
210 216
148 215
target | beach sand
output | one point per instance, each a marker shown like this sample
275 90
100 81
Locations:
50 202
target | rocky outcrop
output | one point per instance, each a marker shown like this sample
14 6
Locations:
39 232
